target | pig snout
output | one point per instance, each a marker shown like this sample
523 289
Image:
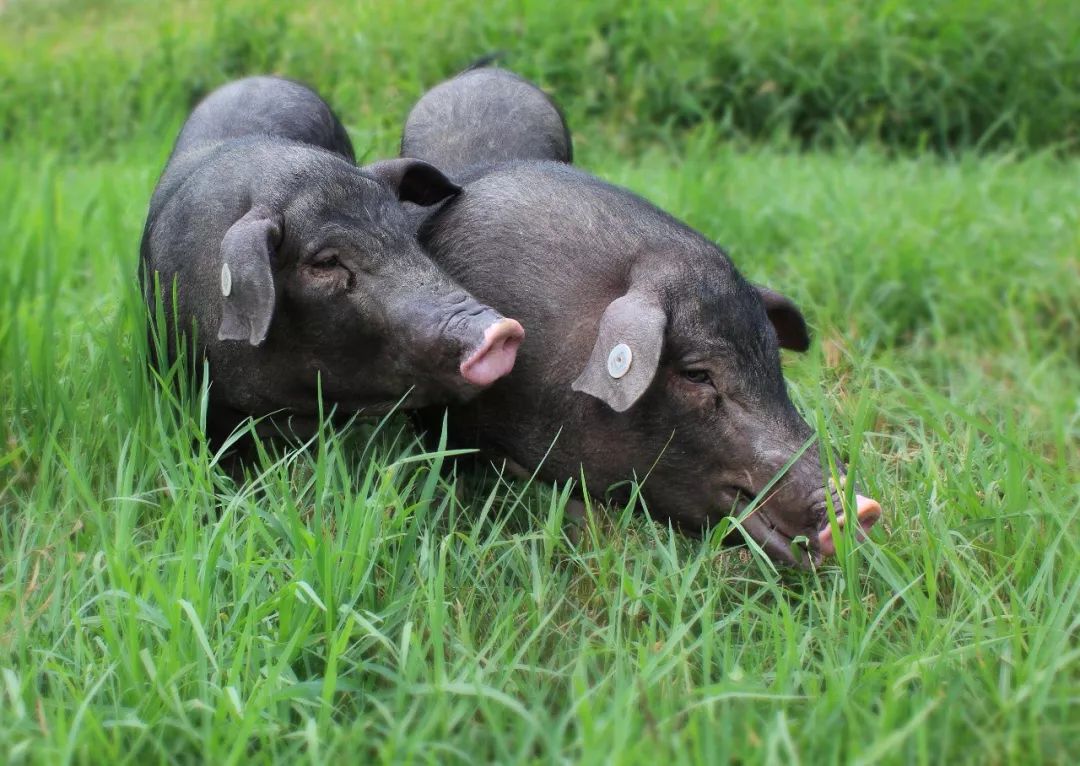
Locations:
867 513
462 345
495 355
789 512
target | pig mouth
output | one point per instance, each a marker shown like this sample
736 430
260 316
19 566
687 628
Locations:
777 544
780 546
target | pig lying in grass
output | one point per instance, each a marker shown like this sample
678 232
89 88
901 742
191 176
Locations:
649 356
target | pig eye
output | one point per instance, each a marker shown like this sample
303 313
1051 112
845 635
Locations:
327 259
700 377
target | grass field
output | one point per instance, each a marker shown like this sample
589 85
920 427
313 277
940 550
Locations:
96 74
342 604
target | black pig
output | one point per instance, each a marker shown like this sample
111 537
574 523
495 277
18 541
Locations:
298 270
648 354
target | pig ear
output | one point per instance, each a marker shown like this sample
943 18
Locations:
247 284
414 181
786 319
627 351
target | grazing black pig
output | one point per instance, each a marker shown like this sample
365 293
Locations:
485 115
648 355
298 271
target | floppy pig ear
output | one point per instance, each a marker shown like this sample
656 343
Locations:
414 181
247 284
627 351
786 318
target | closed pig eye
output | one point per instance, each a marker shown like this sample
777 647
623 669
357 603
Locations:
698 384
699 377
326 259
325 271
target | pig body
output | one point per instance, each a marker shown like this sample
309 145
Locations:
483 116
649 355
268 106
299 274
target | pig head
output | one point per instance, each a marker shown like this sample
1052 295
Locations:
297 277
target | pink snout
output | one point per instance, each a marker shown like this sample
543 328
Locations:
496 354
867 513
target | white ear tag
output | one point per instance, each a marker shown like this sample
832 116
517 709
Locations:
226 280
619 361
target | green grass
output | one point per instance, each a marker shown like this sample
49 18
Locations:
341 603
361 601
91 75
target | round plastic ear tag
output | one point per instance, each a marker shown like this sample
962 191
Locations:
226 280
619 361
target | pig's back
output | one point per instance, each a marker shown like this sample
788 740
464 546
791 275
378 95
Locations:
485 116
264 106
539 229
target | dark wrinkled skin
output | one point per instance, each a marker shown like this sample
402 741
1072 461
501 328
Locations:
485 115
713 426
350 301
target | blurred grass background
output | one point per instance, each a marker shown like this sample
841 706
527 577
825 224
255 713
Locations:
945 75
906 171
